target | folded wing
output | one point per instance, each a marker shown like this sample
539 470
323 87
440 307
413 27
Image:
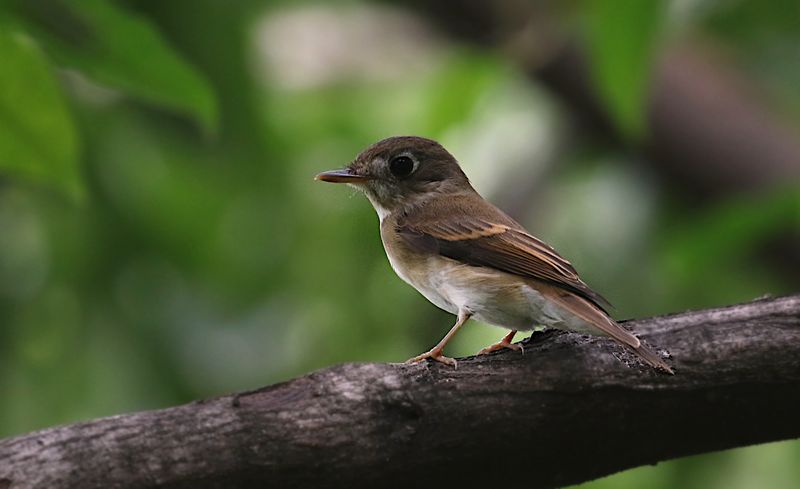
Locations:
480 242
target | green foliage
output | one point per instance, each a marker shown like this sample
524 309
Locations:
107 44
37 135
621 37
731 240
114 46
465 79
754 24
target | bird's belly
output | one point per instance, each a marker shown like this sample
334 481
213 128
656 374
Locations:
491 296
423 276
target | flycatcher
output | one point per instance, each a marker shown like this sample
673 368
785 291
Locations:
467 256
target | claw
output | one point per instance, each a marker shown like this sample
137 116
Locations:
434 355
504 343
501 345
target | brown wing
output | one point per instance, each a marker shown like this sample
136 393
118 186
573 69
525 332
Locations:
479 242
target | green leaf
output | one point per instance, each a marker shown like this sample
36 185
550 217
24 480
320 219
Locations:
121 49
621 39
37 136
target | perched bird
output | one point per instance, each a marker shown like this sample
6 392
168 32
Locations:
467 256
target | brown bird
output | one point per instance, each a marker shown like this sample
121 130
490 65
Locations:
467 256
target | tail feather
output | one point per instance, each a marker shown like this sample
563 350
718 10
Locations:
652 358
593 315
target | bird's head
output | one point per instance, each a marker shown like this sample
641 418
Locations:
402 171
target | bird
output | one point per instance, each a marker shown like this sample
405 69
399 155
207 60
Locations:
468 257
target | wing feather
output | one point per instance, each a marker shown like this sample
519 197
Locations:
480 242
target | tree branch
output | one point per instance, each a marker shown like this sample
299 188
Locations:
566 411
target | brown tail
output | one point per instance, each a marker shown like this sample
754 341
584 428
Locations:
594 316
651 357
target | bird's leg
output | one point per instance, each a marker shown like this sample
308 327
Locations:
504 343
435 353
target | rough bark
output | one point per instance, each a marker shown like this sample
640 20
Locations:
571 409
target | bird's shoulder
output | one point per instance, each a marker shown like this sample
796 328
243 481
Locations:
460 207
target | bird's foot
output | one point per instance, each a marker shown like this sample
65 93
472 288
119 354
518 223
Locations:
434 354
501 345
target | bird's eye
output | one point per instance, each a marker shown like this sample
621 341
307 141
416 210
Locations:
401 166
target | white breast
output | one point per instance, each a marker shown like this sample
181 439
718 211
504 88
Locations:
429 277
492 296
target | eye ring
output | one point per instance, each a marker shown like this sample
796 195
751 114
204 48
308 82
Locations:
402 166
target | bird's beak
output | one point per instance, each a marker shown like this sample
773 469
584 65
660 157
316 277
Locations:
341 176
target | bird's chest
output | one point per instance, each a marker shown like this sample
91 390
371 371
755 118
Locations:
430 274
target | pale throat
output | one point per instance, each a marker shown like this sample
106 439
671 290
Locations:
407 203
382 211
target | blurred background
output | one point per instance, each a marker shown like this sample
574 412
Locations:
162 238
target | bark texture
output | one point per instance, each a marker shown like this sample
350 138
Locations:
571 409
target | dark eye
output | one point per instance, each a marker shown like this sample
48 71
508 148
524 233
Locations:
401 166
